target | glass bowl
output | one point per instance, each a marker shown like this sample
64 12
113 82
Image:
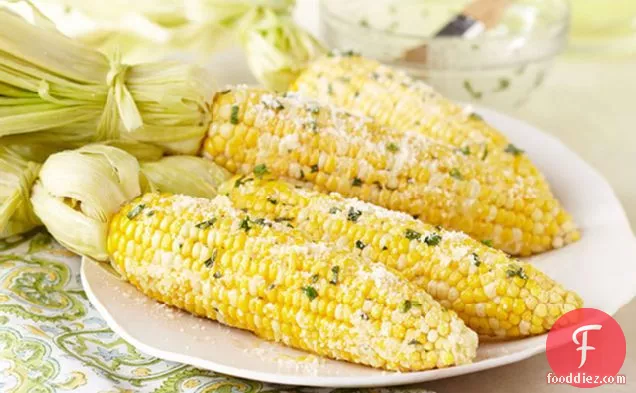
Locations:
498 68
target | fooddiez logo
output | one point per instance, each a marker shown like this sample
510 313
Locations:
586 348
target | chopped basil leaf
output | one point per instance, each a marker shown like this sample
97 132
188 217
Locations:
360 245
135 211
433 239
364 316
514 270
464 150
455 173
414 342
242 180
392 147
353 214
274 104
206 224
245 224
334 210
312 124
260 170
483 156
314 168
357 182
412 235
210 261
262 222
476 260
514 150
150 213
234 116
310 292
272 200
408 304
315 278
217 275
347 53
487 242
335 271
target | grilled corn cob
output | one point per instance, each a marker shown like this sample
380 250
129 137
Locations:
493 294
394 99
213 260
289 136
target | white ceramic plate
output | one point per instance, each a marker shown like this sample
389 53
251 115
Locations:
601 267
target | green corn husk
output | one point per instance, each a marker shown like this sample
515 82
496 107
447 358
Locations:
277 49
36 152
78 191
55 87
17 175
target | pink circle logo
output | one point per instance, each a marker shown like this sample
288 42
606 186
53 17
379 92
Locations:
585 348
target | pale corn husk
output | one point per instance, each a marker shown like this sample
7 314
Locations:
52 85
189 175
17 175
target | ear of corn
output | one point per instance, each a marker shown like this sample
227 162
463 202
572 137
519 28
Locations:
494 294
394 99
336 151
213 260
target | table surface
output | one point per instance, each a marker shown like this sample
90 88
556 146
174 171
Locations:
590 107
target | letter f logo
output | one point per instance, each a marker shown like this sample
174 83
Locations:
583 345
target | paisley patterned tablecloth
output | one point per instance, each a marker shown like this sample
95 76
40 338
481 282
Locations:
53 340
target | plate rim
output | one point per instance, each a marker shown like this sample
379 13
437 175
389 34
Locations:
536 346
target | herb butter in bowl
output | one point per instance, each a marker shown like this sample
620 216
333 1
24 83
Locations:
499 67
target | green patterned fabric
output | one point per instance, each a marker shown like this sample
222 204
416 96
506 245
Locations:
53 340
